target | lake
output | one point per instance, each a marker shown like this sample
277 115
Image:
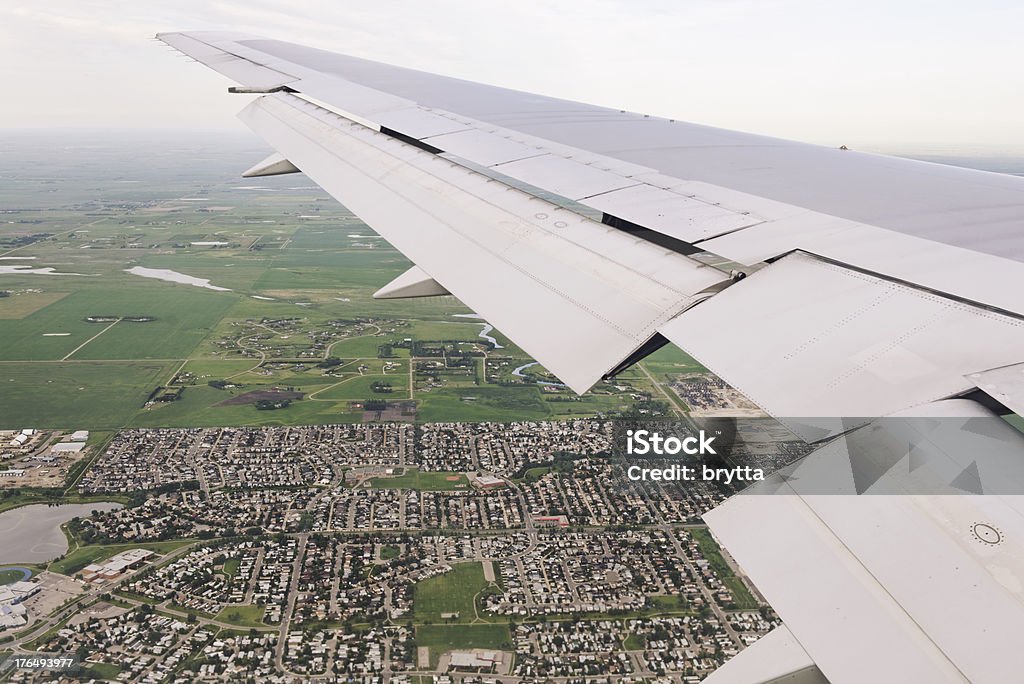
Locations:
174 277
31 534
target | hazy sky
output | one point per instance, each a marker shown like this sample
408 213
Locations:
838 71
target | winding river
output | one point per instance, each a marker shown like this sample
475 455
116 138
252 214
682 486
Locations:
485 330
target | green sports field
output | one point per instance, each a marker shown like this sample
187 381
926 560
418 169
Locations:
442 638
432 481
452 592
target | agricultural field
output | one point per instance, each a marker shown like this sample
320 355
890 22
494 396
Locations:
93 394
144 283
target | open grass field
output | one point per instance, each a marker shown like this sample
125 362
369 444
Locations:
242 615
307 269
364 347
183 316
634 642
434 481
78 394
11 575
102 671
359 387
218 369
534 474
231 566
442 638
25 303
566 405
202 407
667 604
483 403
670 359
452 592
82 556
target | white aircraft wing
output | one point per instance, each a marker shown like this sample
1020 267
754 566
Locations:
894 553
831 287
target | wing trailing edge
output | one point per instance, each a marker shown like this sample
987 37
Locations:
577 295
775 658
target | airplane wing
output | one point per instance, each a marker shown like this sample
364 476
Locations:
829 286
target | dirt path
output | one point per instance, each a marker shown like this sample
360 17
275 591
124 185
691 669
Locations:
73 351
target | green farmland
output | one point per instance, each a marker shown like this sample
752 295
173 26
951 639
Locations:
285 282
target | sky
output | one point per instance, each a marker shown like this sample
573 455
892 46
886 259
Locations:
899 74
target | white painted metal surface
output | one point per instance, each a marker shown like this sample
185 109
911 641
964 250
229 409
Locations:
248 72
357 102
974 276
274 165
412 283
484 148
577 295
1005 385
908 579
419 123
563 176
854 630
805 338
775 658
678 216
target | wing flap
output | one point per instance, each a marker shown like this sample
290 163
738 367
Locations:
669 213
563 176
802 568
412 283
552 280
775 658
831 342
1005 385
892 585
484 148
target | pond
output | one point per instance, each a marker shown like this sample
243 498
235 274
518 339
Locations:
174 277
32 534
